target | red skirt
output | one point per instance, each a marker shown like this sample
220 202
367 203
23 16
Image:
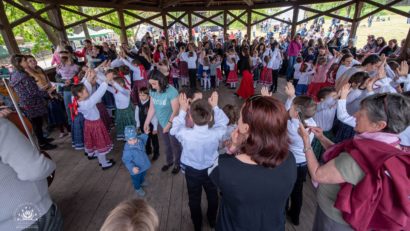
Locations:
232 77
219 73
246 89
105 117
183 69
96 137
314 88
266 76
137 85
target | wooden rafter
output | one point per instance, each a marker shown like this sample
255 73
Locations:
248 2
32 14
383 7
273 16
177 20
205 19
326 12
169 3
237 18
142 20
209 2
89 18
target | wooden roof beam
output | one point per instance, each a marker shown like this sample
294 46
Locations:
248 2
209 2
169 3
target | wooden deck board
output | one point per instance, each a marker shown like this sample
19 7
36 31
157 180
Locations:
85 194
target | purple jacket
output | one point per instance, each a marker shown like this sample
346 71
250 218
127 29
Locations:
31 99
294 48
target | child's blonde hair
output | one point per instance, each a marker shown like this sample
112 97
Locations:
132 215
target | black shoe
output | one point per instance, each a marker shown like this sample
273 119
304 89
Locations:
166 167
92 157
155 157
176 169
108 167
212 223
49 140
85 154
47 146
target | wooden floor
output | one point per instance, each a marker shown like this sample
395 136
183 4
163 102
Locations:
85 194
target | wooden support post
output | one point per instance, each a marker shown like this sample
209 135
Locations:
225 23
404 56
84 25
294 20
123 35
58 19
249 24
356 16
7 32
190 26
165 27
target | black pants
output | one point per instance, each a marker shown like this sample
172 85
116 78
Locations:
195 180
213 81
192 78
275 76
37 123
296 197
152 143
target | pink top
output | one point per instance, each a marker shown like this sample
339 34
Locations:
294 48
56 59
321 70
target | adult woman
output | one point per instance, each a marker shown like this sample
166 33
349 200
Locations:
353 181
390 49
293 51
380 45
246 89
159 54
31 99
164 104
257 181
351 47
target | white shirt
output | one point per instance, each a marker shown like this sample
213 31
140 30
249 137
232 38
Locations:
384 85
231 66
343 115
296 143
190 60
405 137
121 96
297 70
154 120
325 114
255 61
88 107
304 77
354 98
276 60
200 143
226 137
406 81
136 72
342 69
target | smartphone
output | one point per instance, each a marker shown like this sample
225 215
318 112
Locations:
299 112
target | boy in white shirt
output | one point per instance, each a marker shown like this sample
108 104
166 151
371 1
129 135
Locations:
200 151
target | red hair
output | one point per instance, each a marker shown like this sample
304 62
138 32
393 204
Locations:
267 142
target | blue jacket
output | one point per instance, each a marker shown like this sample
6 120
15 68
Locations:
136 156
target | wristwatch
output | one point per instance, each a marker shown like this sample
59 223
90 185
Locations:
307 149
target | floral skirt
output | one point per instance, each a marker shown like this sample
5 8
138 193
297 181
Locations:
232 77
123 118
77 132
266 76
219 74
183 69
96 137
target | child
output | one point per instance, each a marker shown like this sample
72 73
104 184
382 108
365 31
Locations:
135 158
206 79
266 75
139 76
96 138
175 74
296 74
183 67
301 109
134 214
199 152
192 97
219 75
141 112
213 71
255 61
229 111
303 79
275 64
324 116
125 114
232 76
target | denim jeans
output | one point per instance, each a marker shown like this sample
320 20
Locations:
138 179
67 101
51 221
291 63
301 89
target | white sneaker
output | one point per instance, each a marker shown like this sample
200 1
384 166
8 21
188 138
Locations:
140 192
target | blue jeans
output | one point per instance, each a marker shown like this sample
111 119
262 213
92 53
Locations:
301 89
138 179
289 71
67 101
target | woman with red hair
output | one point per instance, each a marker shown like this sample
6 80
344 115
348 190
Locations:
257 180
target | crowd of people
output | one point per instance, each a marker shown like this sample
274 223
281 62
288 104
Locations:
345 123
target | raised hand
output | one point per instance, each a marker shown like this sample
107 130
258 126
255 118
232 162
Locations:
213 100
403 70
344 91
290 90
183 102
265 91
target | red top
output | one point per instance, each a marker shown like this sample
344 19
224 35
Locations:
380 201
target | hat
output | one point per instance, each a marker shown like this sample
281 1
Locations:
130 132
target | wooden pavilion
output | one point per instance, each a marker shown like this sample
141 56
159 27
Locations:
162 10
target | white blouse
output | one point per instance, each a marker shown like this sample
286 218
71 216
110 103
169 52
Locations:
88 107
